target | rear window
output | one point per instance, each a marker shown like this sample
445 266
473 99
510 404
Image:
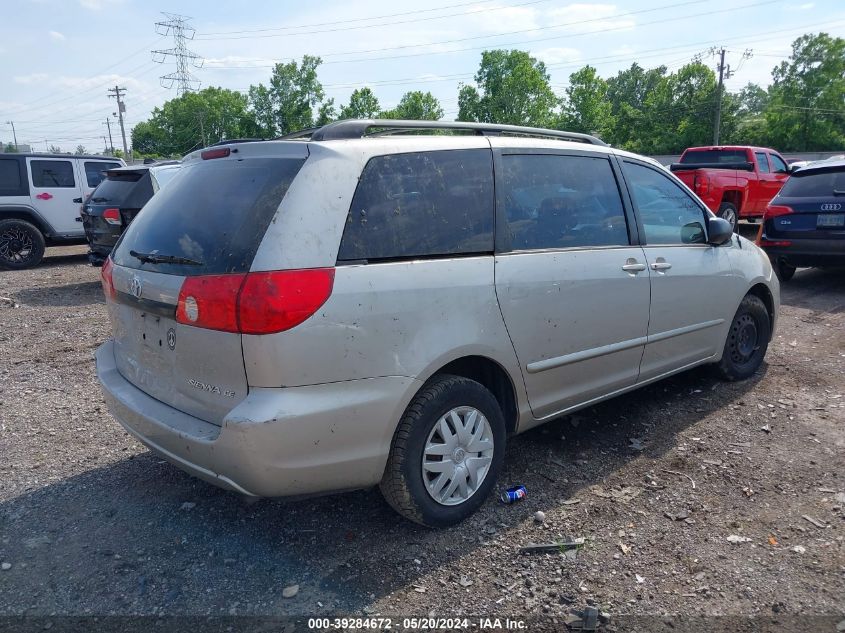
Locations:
814 184
424 204
214 212
117 189
95 171
715 156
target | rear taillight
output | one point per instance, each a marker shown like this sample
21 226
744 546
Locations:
254 303
106 278
112 216
701 184
774 210
765 242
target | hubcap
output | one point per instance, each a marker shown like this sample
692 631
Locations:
15 245
744 338
730 216
457 455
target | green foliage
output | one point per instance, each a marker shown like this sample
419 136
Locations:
326 113
55 149
80 149
363 104
288 103
416 106
513 87
10 149
586 107
194 120
805 110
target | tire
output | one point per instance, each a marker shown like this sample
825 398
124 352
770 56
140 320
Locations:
21 244
747 341
727 211
406 481
784 271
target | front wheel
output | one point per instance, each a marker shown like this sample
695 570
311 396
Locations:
727 211
447 452
21 244
748 340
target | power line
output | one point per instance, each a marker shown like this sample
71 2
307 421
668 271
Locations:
178 26
367 26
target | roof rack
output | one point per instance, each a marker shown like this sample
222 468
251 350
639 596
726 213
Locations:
359 128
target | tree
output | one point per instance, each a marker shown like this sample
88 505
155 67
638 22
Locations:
194 120
363 104
326 114
416 105
512 87
627 94
806 110
55 149
586 108
752 100
288 103
80 149
11 149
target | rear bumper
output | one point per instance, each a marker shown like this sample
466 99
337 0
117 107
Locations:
809 252
276 442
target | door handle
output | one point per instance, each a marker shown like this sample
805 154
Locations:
661 264
633 266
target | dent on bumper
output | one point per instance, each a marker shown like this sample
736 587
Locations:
276 442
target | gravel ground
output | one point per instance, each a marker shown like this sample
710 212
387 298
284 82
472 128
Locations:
655 482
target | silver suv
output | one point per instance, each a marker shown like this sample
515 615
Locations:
385 302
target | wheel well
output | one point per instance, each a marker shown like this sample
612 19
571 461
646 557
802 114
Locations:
734 197
490 374
20 214
761 291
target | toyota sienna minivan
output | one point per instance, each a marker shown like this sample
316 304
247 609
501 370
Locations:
387 302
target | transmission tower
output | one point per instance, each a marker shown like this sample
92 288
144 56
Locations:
178 27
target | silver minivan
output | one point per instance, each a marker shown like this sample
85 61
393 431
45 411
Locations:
386 302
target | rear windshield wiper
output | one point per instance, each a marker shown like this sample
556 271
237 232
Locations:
155 258
97 200
838 192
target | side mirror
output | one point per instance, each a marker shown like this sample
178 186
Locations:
720 231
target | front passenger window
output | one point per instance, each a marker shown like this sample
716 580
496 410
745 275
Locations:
668 213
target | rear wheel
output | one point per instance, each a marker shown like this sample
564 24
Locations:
728 211
748 340
21 244
783 270
446 453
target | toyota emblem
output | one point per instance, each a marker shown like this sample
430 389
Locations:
136 287
171 338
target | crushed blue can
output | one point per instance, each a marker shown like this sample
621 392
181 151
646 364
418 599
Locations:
513 494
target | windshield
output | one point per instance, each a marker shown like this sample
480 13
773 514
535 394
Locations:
213 213
115 189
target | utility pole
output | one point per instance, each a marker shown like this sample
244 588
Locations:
111 142
121 108
14 134
105 146
180 29
725 72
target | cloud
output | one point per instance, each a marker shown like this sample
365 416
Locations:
557 55
31 79
807 5
59 37
96 5
505 19
83 83
589 18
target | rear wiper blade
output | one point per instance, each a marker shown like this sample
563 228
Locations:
155 258
838 192
95 200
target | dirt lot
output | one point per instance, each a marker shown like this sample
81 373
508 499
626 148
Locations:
656 482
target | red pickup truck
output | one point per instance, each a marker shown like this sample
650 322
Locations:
734 181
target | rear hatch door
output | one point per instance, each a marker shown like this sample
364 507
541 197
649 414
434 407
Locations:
817 200
212 216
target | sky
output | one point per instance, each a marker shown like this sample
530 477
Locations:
59 57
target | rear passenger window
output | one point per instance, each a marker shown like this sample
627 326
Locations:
561 202
52 173
95 171
421 205
763 162
10 175
668 213
778 166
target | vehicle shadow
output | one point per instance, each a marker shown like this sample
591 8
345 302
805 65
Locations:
816 289
140 536
79 294
63 258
